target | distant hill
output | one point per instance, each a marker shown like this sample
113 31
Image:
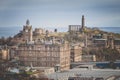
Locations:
11 31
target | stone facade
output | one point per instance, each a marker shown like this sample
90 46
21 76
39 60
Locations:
117 44
87 58
101 43
38 31
4 54
45 55
27 33
108 42
78 28
75 54
74 28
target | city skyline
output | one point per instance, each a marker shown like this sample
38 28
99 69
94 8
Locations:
60 13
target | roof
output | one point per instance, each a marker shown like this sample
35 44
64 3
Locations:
101 39
96 73
117 39
15 70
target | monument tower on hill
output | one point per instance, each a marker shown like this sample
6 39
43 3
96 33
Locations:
83 21
78 28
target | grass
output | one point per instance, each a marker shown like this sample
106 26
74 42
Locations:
29 72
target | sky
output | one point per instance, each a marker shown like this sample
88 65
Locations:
60 13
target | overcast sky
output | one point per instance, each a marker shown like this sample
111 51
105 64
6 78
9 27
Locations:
60 13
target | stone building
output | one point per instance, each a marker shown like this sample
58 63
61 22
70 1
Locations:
107 42
113 43
110 41
78 28
38 31
101 43
87 58
74 28
75 53
27 33
45 54
4 54
117 44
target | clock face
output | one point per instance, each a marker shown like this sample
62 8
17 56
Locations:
26 30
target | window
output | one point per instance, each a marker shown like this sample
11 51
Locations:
48 53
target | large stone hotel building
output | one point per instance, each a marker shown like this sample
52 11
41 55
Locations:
45 55
48 52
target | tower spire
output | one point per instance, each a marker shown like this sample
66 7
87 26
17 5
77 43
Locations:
27 22
83 21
